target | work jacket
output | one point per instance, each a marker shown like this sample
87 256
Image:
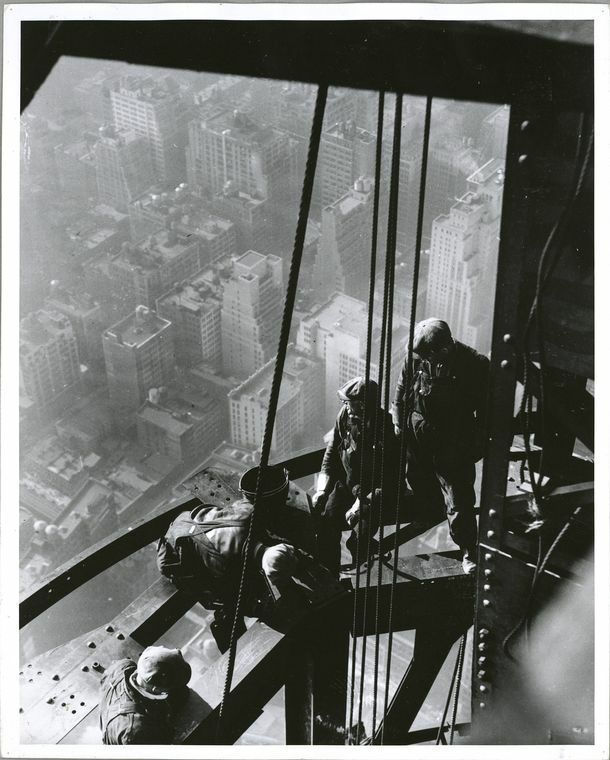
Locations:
127 717
344 457
452 401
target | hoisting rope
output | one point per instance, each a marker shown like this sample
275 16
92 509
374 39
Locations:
388 316
291 289
364 486
403 411
455 683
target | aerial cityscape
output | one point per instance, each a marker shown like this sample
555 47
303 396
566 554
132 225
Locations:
158 213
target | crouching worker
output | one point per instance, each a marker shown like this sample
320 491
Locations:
203 553
339 501
138 700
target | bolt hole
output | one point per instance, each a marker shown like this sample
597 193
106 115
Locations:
71 696
63 704
227 498
82 704
73 712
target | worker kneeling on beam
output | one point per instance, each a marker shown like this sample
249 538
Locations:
352 461
138 700
203 553
442 406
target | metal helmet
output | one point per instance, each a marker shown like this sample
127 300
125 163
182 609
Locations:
160 672
356 389
274 482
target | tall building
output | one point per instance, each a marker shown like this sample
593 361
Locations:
344 249
494 133
193 308
85 315
346 153
298 411
336 333
463 258
49 369
139 355
184 424
450 162
76 169
251 216
154 109
251 313
190 216
231 148
143 273
123 166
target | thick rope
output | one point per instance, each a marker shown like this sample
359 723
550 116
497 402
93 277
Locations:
403 411
293 280
389 286
458 683
365 442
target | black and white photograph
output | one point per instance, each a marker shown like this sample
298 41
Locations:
298 380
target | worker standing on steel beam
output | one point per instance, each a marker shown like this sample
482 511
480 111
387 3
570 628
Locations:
346 469
138 700
203 553
445 429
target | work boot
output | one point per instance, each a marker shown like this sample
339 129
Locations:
352 546
221 628
468 561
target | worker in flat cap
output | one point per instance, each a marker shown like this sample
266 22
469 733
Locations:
139 699
203 553
346 496
440 407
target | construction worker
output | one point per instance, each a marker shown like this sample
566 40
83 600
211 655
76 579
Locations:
203 553
347 469
138 700
443 411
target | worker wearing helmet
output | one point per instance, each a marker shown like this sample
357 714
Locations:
345 485
203 553
138 700
442 406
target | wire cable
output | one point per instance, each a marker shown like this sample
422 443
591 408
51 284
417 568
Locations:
403 410
458 683
291 289
369 340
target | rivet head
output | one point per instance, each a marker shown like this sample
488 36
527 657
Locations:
91 644
486 603
488 556
483 633
481 674
56 677
50 701
109 629
21 709
491 533
487 572
524 125
482 660
522 158
507 337
482 705
483 688
120 636
505 364
492 512
486 587
85 668
482 646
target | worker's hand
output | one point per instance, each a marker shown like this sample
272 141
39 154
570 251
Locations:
352 516
397 430
318 500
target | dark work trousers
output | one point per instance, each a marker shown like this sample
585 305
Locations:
332 523
441 474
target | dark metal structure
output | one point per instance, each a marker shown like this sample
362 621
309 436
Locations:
548 86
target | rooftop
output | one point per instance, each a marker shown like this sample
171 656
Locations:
161 248
239 126
137 328
198 295
258 385
493 170
41 327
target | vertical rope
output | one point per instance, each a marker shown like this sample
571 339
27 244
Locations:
365 442
293 279
389 301
403 411
458 682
